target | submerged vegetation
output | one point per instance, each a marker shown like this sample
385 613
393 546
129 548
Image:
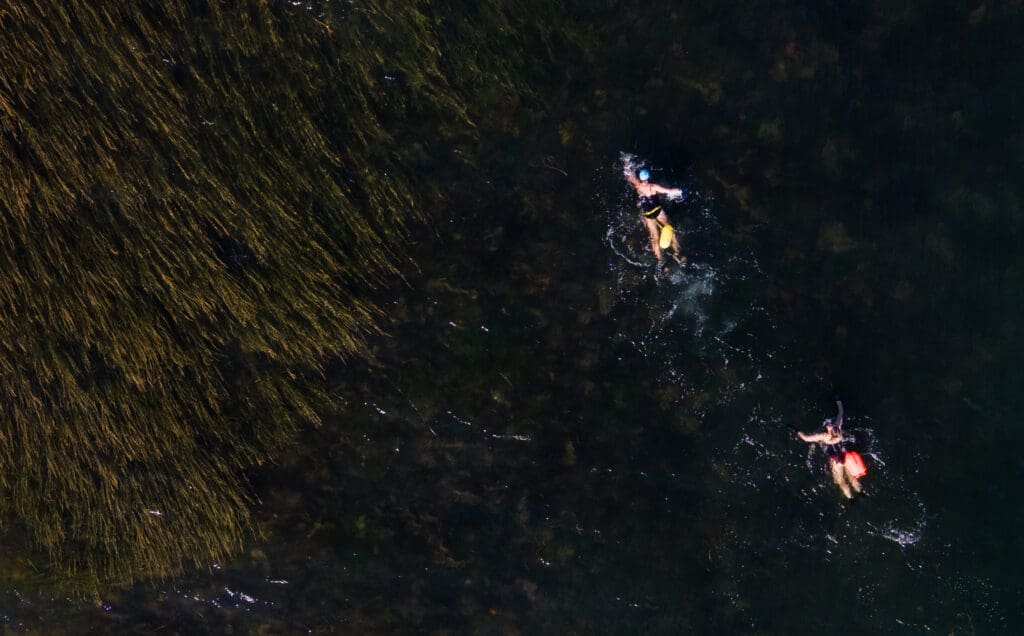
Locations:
196 199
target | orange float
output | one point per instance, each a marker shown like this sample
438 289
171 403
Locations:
855 464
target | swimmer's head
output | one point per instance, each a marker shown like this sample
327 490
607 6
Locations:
644 174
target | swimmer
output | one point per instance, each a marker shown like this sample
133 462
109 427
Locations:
663 236
832 442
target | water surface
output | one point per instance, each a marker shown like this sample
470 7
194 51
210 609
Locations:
552 437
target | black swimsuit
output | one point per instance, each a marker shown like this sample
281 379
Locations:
648 206
836 452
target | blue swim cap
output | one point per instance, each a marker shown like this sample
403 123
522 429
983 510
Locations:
644 174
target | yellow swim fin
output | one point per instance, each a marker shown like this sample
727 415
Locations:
666 237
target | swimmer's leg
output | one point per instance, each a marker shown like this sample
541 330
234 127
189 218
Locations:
853 480
839 475
655 231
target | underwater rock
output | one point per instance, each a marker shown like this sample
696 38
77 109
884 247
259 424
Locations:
834 238
606 297
770 131
569 457
977 16
688 424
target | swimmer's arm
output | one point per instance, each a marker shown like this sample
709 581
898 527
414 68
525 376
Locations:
672 192
817 437
838 422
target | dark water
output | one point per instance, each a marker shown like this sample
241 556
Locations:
553 438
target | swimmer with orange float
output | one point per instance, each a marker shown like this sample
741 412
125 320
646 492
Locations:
847 466
663 236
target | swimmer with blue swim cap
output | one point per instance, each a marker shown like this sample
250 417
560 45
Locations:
663 236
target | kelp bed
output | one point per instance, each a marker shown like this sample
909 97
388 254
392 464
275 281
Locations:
196 198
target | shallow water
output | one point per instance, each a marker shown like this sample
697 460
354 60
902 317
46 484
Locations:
553 437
